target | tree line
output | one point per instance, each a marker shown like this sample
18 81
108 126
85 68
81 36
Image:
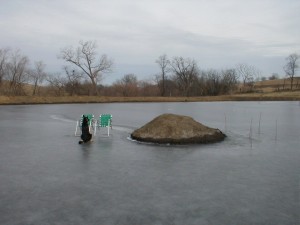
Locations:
84 70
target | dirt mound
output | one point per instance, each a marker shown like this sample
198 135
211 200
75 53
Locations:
176 129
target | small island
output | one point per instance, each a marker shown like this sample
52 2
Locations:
176 129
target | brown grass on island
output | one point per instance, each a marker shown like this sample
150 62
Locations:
176 129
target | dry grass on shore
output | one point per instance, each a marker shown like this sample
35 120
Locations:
270 90
273 96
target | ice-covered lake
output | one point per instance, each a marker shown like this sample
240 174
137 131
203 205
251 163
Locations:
253 177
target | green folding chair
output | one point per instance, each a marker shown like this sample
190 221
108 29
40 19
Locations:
79 124
104 120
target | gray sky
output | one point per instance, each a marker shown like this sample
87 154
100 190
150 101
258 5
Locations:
216 33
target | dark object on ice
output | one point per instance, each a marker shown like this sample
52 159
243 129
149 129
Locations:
86 136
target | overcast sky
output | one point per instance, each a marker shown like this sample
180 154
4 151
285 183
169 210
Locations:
216 33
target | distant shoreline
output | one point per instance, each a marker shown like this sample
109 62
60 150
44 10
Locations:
28 100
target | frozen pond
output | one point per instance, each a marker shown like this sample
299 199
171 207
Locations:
253 177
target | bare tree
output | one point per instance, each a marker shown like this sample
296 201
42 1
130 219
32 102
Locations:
247 73
57 84
128 85
291 66
148 88
163 63
37 75
73 81
274 76
85 58
17 72
229 80
3 63
213 82
185 72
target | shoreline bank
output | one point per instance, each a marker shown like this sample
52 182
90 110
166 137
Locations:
28 100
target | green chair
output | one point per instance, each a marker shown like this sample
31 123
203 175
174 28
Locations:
79 123
104 120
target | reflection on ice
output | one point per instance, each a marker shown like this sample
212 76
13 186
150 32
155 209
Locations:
61 118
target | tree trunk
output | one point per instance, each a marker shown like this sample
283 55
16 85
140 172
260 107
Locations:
95 89
34 88
292 80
